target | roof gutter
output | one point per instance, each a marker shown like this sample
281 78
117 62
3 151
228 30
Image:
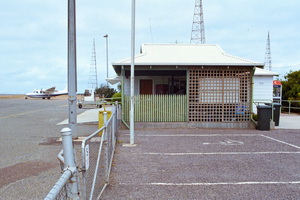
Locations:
260 65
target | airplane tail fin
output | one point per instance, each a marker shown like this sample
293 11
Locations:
65 90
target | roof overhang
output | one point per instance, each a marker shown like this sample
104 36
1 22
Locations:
264 72
114 80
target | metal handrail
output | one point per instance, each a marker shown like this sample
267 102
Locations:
67 185
60 184
290 107
106 146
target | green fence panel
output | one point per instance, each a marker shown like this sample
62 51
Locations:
157 108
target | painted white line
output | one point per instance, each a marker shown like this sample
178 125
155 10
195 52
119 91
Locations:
220 153
20 114
198 135
281 141
216 184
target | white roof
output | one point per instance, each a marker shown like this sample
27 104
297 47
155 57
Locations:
264 72
185 54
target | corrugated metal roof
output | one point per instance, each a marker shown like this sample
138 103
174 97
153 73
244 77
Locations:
264 72
186 54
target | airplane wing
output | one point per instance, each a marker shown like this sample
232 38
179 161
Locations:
50 90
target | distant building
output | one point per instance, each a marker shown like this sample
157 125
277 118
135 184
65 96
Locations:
198 85
263 87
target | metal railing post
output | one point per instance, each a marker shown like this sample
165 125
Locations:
113 124
69 165
105 125
117 114
289 106
106 152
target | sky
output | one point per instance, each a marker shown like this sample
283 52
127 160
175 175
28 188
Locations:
33 36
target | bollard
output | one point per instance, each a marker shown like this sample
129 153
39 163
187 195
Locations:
72 185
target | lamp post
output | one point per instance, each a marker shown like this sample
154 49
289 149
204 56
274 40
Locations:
106 36
132 73
72 67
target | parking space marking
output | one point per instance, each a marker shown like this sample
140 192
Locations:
225 142
197 135
216 184
220 153
280 141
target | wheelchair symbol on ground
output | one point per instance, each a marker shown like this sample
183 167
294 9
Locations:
225 142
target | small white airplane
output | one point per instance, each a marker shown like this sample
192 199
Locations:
48 93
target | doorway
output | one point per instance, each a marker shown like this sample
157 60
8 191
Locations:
146 86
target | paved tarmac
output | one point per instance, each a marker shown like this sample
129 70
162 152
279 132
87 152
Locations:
206 164
28 149
166 164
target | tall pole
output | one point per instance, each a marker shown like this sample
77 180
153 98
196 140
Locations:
132 73
72 74
106 36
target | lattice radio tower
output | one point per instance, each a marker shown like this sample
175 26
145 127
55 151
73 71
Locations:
93 82
198 34
268 60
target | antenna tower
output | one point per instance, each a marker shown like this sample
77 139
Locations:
93 82
268 61
198 34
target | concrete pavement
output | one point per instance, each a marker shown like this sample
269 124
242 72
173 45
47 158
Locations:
90 116
289 121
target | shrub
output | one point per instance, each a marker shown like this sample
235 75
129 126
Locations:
116 97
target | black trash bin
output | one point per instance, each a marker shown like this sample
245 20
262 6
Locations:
264 115
276 113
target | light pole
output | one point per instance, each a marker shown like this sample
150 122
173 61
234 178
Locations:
106 36
132 73
72 67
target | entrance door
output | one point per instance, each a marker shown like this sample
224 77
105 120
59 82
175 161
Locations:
146 86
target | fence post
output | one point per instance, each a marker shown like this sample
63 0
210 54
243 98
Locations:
289 106
117 115
113 124
72 185
106 153
105 124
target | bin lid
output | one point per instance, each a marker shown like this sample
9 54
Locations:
264 107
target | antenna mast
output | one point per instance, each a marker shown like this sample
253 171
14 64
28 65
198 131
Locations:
93 82
198 34
268 61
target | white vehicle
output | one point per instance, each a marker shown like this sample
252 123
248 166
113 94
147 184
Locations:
89 99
